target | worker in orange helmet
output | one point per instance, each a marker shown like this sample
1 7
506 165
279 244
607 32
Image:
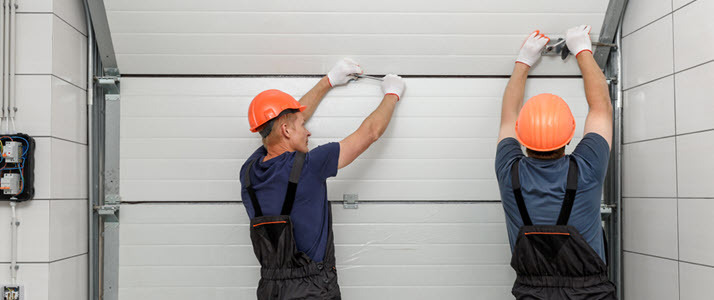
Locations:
284 189
552 200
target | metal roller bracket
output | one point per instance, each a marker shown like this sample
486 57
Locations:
110 83
606 209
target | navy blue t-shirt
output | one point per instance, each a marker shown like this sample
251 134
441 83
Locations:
543 187
310 210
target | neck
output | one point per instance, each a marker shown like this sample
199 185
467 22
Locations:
276 150
547 157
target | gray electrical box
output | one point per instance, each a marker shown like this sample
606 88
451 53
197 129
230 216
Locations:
12 292
10 183
12 152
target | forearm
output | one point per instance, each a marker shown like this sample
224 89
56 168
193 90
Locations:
376 123
313 97
515 91
596 90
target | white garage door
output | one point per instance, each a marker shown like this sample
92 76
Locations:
417 37
431 225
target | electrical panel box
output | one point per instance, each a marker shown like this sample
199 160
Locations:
17 167
12 292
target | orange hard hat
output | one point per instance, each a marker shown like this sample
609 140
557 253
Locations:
545 123
268 105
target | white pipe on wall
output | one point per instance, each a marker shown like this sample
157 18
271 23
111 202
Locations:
2 59
13 255
90 151
11 105
5 59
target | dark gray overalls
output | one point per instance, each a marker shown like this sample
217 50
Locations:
554 261
285 272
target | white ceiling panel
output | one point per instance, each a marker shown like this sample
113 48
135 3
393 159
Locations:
408 37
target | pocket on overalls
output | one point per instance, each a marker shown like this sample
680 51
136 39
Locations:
548 243
272 231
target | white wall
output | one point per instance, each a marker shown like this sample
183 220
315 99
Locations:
415 37
184 140
51 83
668 153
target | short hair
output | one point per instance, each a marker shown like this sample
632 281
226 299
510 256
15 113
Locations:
267 128
553 154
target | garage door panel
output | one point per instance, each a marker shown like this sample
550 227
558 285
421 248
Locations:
338 106
558 6
396 190
248 87
375 169
347 255
348 292
381 213
367 276
271 65
352 234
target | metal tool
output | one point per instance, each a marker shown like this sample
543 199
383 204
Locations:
560 48
368 77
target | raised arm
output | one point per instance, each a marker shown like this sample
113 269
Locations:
515 90
599 119
374 125
313 98
339 74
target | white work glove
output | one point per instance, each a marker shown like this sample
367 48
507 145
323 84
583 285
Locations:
342 71
532 47
394 85
578 39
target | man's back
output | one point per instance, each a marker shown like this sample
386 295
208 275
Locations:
543 187
310 211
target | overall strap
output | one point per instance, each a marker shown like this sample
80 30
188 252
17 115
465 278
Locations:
516 183
570 190
295 171
251 192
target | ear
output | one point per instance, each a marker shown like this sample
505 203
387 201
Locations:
285 130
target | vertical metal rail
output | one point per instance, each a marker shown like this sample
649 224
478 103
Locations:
93 178
618 168
613 182
110 208
105 131
611 63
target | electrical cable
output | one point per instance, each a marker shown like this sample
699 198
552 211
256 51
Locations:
22 179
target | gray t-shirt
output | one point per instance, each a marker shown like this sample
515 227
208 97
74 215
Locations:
543 187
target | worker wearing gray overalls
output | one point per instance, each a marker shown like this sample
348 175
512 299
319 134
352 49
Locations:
284 187
552 200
